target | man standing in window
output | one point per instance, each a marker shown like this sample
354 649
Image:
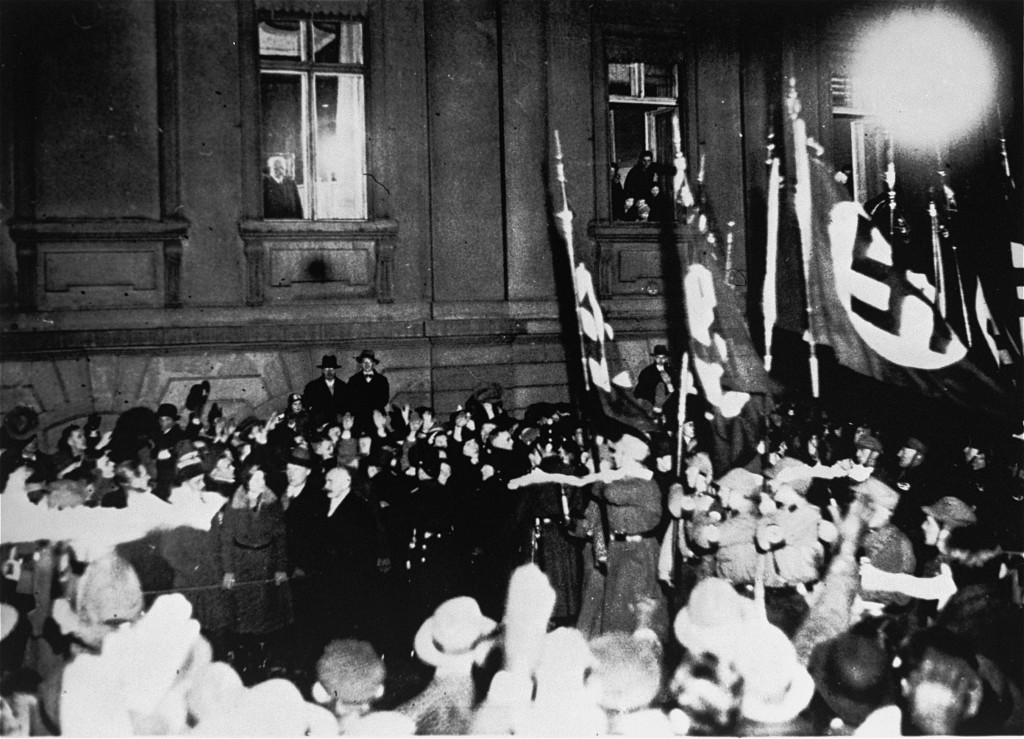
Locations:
642 176
280 193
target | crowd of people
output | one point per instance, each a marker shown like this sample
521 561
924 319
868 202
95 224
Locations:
190 573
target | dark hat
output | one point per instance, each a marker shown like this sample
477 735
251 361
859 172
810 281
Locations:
189 463
426 458
167 409
329 361
916 444
951 512
21 422
867 441
368 354
292 397
661 445
660 350
489 393
301 457
504 422
246 425
852 673
535 412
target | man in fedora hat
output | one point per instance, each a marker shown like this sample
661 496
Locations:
657 384
165 445
326 397
369 390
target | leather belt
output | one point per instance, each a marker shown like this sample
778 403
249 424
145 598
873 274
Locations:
256 547
623 536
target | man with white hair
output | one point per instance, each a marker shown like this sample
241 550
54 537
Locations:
280 193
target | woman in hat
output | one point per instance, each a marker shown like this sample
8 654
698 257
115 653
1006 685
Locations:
253 555
292 424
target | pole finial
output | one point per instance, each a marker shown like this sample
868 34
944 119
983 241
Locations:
792 100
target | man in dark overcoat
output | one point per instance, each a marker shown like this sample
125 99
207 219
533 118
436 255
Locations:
368 390
326 397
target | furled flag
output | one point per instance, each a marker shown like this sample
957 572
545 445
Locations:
880 320
611 395
989 328
727 367
609 389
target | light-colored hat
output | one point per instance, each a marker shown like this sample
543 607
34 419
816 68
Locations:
776 687
741 481
454 631
629 670
66 493
713 616
878 493
792 472
109 592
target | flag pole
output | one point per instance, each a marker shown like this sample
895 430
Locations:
937 271
769 298
949 198
564 220
802 203
684 391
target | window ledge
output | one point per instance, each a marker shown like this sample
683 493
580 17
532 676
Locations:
309 261
381 227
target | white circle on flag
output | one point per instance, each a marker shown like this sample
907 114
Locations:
910 346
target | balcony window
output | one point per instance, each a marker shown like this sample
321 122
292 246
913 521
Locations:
313 122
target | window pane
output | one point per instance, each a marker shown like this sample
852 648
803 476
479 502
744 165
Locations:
619 79
281 97
659 80
281 40
340 146
338 43
630 134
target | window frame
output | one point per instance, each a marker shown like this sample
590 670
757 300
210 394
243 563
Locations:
309 70
623 45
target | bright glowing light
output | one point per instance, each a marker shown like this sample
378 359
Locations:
927 75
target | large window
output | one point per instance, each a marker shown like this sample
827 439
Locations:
313 137
643 138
